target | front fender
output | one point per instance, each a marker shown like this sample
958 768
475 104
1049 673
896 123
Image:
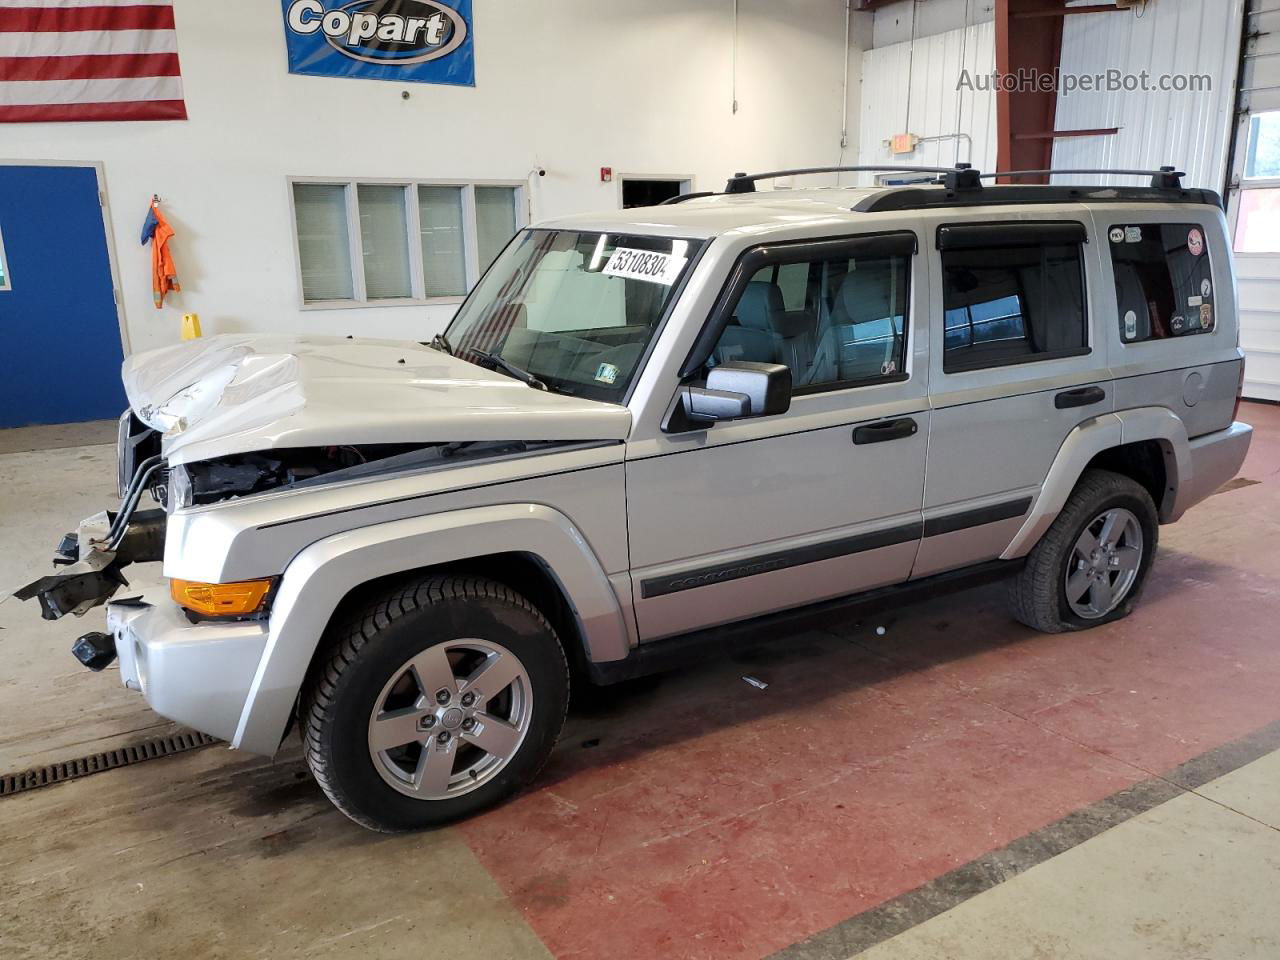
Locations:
318 578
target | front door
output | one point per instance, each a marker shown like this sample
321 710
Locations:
758 515
57 304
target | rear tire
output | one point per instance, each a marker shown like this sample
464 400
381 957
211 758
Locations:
1074 578
433 703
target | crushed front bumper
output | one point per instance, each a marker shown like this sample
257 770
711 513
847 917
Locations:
198 674
91 573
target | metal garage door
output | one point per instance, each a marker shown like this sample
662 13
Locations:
1254 202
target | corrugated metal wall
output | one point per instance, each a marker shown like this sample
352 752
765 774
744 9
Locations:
928 77
1189 130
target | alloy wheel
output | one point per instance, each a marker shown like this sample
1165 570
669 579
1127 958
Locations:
1104 563
450 719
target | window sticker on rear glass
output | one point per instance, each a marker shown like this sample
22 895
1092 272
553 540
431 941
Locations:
1130 325
606 373
1163 280
1117 234
632 264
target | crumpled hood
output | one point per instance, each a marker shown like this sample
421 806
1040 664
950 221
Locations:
240 393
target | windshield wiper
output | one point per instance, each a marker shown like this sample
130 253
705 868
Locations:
440 342
493 361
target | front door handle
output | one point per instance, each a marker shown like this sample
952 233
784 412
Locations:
1082 397
885 430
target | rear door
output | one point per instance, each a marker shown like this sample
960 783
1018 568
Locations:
758 515
57 303
1014 368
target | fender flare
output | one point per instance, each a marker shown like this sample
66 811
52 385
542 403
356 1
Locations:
1087 441
321 575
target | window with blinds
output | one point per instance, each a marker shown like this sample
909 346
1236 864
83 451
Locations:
371 243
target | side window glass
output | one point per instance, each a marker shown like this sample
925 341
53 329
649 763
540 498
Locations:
1164 284
835 322
1012 304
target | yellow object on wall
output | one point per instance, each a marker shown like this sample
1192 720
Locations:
190 326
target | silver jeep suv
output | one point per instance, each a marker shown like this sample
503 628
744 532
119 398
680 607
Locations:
642 427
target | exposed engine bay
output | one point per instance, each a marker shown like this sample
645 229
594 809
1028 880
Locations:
94 555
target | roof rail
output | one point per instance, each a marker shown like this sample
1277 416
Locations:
960 177
746 182
682 197
1166 178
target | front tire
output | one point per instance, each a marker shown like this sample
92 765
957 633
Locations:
435 702
1090 566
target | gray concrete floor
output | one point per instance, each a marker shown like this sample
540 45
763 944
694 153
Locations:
1194 879
215 855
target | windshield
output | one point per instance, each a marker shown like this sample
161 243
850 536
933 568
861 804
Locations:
576 310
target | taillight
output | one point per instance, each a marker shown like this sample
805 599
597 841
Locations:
1235 412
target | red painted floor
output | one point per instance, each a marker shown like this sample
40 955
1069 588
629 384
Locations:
716 820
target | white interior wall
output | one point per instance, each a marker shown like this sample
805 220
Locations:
914 88
570 86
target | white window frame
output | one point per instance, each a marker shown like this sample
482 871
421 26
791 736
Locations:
6 280
470 242
1247 182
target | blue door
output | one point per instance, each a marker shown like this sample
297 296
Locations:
58 322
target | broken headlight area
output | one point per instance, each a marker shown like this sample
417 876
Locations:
241 475
210 481
91 560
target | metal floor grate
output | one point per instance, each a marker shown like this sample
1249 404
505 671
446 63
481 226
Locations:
154 749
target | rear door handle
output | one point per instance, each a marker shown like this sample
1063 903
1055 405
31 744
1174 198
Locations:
885 430
1082 397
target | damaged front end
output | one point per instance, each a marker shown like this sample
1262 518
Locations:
93 558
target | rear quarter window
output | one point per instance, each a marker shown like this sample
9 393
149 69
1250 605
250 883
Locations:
1164 280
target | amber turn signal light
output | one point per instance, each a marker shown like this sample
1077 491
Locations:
220 599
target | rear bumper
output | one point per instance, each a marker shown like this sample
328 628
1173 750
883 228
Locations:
1214 459
197 674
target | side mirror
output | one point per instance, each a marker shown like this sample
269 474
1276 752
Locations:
738 390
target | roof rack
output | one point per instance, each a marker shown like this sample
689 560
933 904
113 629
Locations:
746 182
1166 178
682 197
962 186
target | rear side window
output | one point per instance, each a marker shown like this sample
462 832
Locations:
1164 284
1012 293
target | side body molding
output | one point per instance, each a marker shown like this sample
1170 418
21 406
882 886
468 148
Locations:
1087 441
321 575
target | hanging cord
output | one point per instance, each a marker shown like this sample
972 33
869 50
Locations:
964 52
734 62
911 62
844 108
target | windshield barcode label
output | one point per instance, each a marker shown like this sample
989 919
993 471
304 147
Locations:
634 264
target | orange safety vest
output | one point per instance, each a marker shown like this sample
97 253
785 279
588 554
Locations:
164 275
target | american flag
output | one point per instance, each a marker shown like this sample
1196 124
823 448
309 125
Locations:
89 60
